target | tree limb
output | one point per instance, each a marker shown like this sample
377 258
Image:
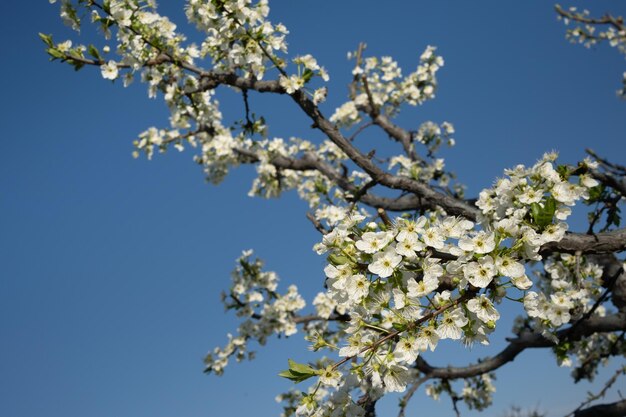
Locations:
528 340
606 242
607 19
616 409
432 198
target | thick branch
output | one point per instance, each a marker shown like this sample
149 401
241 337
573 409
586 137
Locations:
211 80
616 409
311 162
618 185
423 195
611 166
529 340
606 242
431 198
313 317
369 405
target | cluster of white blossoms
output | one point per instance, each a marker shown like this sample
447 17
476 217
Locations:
590 33
432 136
381 85
587 356
253 296
239 39
319 401
409 284
307 68
238 34
568 288
271 180
530 206
394 288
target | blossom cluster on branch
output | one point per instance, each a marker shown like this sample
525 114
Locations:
590 31
394 286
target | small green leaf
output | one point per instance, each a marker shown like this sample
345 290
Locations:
550 205
399 326
595 193
542 216
286 374
307 75
298 372
338 259
47 39
562 349
613 217
564 171
293 376
320 187
106 6
300 368
55 53
93 51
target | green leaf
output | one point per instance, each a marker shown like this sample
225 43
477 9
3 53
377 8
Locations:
47 39
300 368
286 374
613 217
542 216
320 187
399 326
595 193
106 6
55 53
564 171
93 51
562 349
298 372
550 206
338 259
307 75
72 14
293 376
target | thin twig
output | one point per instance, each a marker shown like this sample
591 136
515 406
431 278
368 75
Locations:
359 130
318 225
607 19
404 401
602 393
605 162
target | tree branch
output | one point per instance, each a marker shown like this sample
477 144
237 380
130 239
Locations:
616 409
404 401
432 198
607 19
310 161
590 326
606 242
423 197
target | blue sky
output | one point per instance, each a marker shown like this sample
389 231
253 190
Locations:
111 268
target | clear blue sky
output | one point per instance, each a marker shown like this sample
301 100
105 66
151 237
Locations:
111 268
